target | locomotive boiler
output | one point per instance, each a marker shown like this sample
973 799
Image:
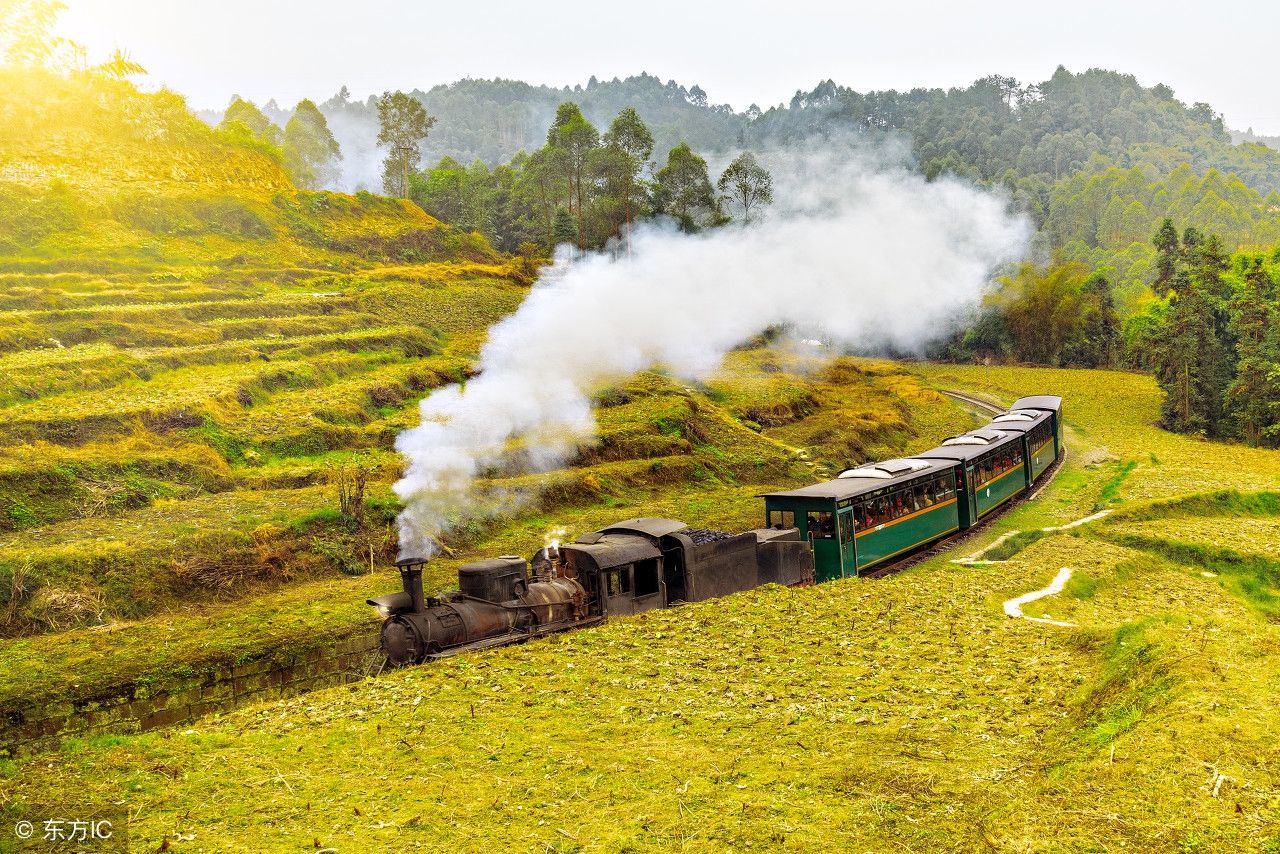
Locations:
627 568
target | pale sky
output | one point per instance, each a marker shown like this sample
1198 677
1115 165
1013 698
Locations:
739 52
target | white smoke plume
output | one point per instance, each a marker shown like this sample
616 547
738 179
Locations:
361 165
860 254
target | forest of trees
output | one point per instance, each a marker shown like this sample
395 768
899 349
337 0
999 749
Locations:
1099 162
1095 159
1210 333
305 148
584 187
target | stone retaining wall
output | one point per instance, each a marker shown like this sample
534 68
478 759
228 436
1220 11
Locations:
138 708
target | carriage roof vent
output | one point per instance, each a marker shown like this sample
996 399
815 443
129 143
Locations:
886 470
977 437
1017 415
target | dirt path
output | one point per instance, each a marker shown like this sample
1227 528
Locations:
1013 607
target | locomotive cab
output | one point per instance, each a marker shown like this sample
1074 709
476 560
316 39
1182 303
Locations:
623 572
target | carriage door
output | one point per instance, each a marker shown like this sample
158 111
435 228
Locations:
848 555
821 528
970 484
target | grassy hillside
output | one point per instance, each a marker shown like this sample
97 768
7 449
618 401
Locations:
859 715
192 352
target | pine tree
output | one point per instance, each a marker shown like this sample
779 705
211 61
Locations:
1253 398
564 228
1168 256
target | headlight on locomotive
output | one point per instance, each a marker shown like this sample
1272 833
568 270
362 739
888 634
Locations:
392 603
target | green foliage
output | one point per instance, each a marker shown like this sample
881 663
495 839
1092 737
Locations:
1096 159
1193 356
746 185
683 190
310 151
578 179
245 125
1253 397
402 126
1055 315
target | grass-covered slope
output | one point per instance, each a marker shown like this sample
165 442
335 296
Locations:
97 176
266 567
908 713
191 351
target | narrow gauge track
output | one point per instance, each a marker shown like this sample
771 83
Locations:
947 543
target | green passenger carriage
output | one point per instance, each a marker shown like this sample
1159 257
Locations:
876 512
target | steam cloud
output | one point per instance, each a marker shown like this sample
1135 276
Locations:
860 253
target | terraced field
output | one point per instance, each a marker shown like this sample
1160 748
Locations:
194 355
169 451
861 715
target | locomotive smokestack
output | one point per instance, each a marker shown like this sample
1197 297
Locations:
411 576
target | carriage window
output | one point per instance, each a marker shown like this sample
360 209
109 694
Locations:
620 581
782 519
846 528
821 525
881 514
899 504
646 577
946 488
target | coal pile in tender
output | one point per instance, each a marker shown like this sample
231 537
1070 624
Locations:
701 536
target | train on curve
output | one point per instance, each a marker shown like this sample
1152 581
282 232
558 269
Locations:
861 520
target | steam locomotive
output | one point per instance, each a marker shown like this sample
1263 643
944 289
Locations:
630 567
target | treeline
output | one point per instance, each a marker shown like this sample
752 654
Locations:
1215 339
1210 331
305 147
1062 315
586 187
493 120
1028 136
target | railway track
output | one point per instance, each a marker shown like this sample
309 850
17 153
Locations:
987 406
948 543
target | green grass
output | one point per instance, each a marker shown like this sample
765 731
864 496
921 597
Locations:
1110 493
182 365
